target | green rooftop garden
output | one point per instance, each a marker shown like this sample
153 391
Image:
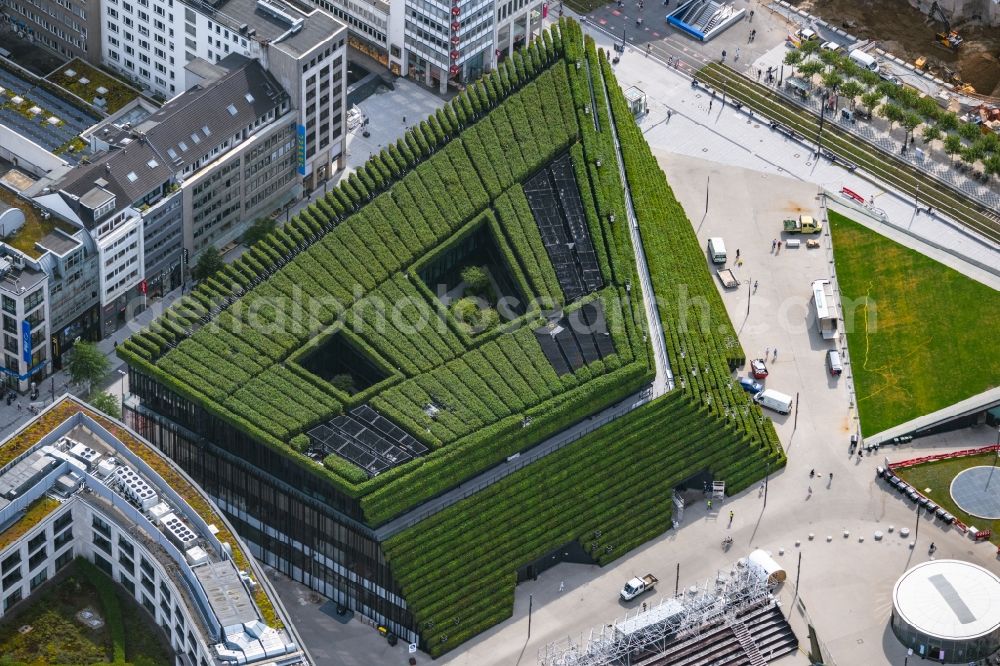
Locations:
35 513
118 92
45 628
452 194
916 329
35 227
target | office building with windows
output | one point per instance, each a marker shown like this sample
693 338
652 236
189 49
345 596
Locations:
24 307
74 484
166 47
71 28
437 42
191 174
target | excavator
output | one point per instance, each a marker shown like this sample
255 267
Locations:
948 38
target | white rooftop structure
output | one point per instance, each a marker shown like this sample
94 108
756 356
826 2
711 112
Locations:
949 599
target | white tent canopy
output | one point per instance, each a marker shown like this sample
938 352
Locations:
775 573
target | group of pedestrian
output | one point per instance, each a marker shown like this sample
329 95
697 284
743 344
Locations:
775 245
768 352
753 36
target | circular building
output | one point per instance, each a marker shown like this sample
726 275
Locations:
948 610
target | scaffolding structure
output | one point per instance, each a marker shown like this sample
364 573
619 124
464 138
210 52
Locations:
649 631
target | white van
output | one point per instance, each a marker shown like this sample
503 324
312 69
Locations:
772 399
865 60
717 250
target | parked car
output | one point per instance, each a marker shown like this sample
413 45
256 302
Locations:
758 369
750 386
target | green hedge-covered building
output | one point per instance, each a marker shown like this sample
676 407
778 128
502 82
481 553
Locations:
462 299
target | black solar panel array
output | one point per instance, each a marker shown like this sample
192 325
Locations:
554 198
367 439
578 338
569 196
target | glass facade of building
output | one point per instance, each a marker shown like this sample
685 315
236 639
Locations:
945 651
293 520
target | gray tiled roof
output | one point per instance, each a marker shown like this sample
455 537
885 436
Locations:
183 131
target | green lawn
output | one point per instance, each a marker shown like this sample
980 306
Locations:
938 476
925 339
56 637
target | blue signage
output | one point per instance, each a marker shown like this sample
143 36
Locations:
29 373
302 150
26 341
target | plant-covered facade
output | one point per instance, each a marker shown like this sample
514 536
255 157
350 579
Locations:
375 280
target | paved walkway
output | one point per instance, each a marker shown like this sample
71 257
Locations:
664 379
704 127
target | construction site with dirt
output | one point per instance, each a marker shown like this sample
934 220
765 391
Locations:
958 42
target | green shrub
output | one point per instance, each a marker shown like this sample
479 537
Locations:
300 443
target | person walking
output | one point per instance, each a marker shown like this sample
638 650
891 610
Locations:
709 106
737 55
755 286
779 246
831 477
775 353
709 505
737 253
730 517
759 73
648 47
751 16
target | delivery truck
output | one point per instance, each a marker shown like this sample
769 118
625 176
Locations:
775 400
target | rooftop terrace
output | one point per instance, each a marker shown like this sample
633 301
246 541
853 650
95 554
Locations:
88 83
35 229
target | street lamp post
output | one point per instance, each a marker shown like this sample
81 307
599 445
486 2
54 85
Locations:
767 474
123 374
